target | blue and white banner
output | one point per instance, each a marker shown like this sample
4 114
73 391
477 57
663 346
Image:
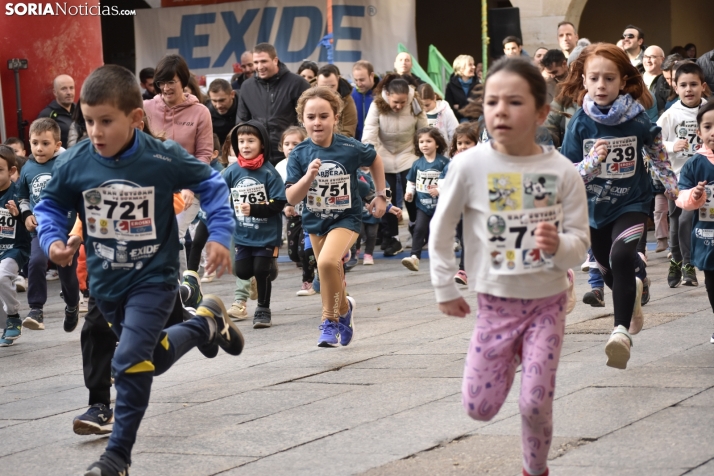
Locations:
212 37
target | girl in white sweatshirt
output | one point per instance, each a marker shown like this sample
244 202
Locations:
525 222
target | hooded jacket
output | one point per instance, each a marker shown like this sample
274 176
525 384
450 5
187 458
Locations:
455 94
188 123
272 101
362 102
443 118
264 138
348 124
392 133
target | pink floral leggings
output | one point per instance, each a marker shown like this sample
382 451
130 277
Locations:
508 330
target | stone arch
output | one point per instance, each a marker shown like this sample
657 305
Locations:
575 11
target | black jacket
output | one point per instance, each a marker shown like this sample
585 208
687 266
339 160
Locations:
223 123
273 103
239 81
61 116
706 61
660 91
147 95
455 94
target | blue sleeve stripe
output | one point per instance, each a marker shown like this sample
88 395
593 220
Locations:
214 201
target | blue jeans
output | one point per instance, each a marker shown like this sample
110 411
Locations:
145 349
37 281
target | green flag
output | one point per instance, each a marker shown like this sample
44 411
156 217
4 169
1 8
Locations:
439 69
416 69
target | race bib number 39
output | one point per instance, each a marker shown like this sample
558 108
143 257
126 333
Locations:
121 213
426 180
621 160
7 224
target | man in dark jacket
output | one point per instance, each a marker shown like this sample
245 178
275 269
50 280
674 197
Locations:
246 64
62 108
363 93
270 96
223 106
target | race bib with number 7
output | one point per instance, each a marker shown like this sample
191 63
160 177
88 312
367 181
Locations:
426 180
621 160
252 194
121 213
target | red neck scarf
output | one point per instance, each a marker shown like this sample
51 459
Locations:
251 164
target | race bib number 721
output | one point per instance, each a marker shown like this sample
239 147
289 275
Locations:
120 213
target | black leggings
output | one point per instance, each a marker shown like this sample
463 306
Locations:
199 242
368 237
709 284
391 221
615 249
421 232
460 236
308 264
265 271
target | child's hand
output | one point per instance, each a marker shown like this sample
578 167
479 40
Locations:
12 208
31 223
396 211
547 239
61 254
434 191
245 209
187 196
680 144
601 149
218 258
313 169
408 197
289 211
699 190
74 242
378 207
458 307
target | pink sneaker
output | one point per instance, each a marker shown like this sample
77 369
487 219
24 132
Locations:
306 290
461 278
368 260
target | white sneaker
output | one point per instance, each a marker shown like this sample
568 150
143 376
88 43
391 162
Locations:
638 318
585 267
253 289
411 263
306 290
572 299
83 304
20 284
52 275
238 310
208 278
618 348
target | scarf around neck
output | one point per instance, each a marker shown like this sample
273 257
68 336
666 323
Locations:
622 110
251 164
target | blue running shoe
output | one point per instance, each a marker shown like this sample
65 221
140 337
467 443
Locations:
13 327
7 342
346 325
329 334
97 420
316 283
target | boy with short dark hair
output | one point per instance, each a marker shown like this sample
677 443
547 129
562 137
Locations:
36 174
121 182
17 145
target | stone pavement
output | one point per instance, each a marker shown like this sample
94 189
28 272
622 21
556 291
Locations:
389 404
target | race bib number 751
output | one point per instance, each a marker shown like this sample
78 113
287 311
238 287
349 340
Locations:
120 213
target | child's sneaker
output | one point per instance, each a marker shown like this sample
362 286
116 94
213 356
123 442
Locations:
674 276
711 339
638 319
329 334
109 464
346 324
411 263
191 281
71 318
13 327
253 295
52 275
662 245
595 297
20 284
83 302
618 348
689 275
262 318
35 320
645 291
227 335
368 260
208 277
571 292
306 289
6 342
238 310
461 278
97 420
